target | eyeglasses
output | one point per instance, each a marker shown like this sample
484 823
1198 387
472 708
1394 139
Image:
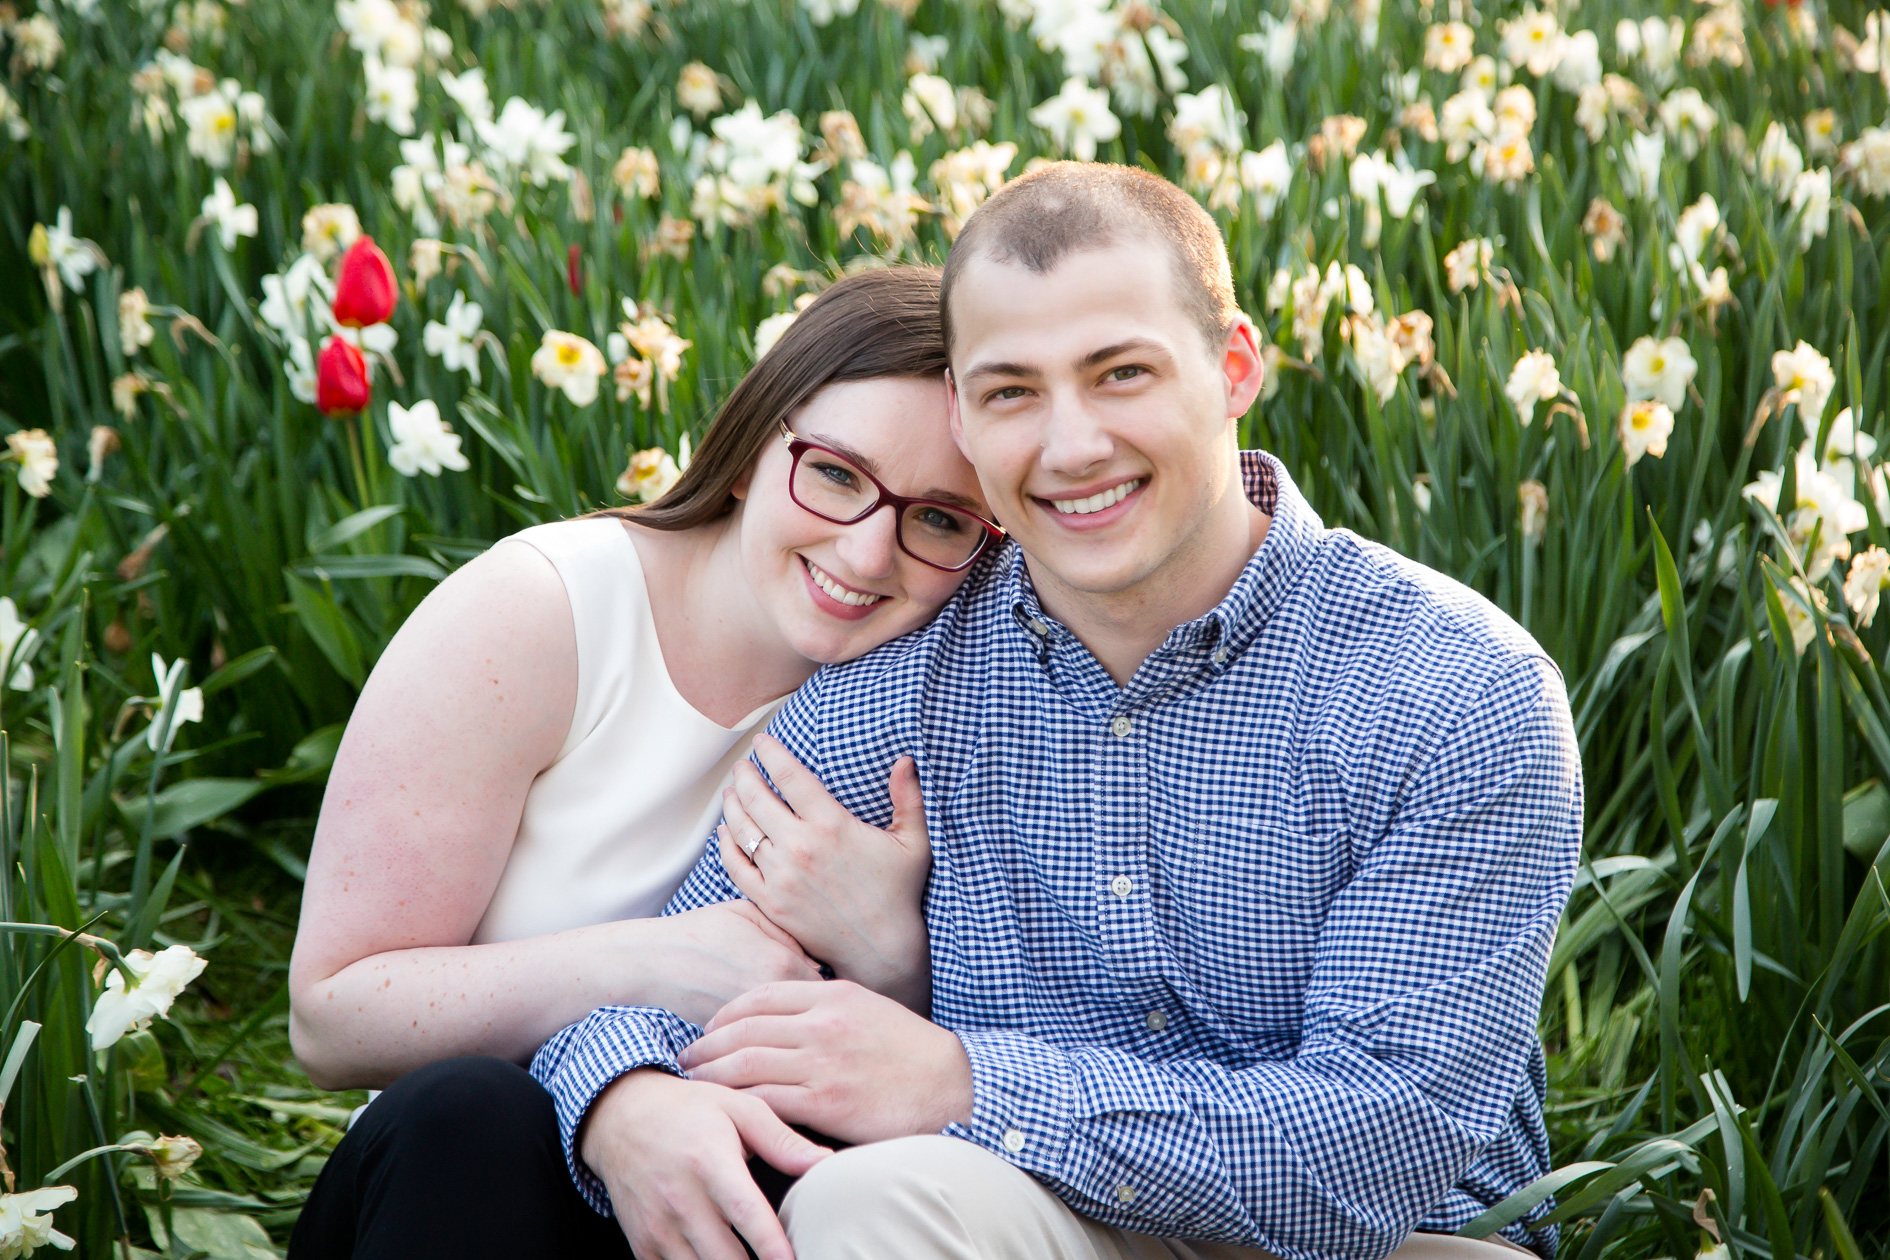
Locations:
835 488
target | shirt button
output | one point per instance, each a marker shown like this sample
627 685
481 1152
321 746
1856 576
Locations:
1038 628
1157 1020
1220 656
1013 1140
1121 727
1125 1193
1122 885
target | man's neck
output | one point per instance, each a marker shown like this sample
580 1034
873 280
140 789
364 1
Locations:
1121 628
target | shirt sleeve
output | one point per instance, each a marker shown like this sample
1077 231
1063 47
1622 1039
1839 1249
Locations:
1419 1026
578 1063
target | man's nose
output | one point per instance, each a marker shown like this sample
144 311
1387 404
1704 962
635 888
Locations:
870 547
1074 440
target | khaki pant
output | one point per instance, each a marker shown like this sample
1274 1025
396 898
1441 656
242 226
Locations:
938 1198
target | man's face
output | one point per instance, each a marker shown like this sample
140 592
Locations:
1100 421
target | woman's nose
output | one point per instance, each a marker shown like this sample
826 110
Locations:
870 547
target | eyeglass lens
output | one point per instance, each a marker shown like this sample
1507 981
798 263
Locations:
830 486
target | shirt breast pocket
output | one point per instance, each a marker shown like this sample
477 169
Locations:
1277 881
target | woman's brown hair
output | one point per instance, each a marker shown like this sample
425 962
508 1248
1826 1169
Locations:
872 325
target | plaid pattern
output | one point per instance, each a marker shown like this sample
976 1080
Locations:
1250 950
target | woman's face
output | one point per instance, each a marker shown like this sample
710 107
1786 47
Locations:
798 563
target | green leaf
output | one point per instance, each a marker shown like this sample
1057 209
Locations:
239 669
1866 819
352 526
190 803
328 627
343 567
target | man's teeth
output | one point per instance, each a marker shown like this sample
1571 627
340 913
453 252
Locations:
839 592
1097 502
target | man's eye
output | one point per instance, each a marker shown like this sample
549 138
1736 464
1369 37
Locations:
1126 372
1007 393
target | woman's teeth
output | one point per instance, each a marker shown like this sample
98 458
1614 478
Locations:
1097 502
837 591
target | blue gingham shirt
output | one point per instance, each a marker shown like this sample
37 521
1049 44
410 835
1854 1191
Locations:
1250 950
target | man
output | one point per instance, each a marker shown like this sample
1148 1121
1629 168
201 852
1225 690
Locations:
1249 840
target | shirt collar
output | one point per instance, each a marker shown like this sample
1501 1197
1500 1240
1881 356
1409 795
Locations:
1225 630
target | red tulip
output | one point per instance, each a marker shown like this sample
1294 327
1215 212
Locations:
573 272
341 379
365 291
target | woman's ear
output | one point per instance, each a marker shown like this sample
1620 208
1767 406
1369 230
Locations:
739 491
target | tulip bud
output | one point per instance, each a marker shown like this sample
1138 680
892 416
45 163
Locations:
365 292
341 379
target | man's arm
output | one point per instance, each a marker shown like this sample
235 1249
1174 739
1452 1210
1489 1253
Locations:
1420 1024
1419 1028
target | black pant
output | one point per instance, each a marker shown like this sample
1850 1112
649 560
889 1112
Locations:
460 1158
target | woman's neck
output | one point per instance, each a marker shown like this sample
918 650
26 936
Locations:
726 656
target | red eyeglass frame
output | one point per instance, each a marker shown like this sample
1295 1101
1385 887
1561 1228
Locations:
799 446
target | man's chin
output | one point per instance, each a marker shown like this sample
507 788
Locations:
1099 570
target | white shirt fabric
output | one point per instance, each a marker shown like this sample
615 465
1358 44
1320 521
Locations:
613 825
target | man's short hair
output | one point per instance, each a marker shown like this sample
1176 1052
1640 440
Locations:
1062 208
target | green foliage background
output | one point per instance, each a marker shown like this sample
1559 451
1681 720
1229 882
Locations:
1716 1014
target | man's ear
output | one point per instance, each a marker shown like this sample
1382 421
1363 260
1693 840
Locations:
1243 367
951 410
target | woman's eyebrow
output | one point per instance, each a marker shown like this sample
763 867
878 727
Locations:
867 463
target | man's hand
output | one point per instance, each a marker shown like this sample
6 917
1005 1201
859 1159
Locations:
852 895
838 1058
674 1156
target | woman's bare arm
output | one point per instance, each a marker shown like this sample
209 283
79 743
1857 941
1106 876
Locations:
471 700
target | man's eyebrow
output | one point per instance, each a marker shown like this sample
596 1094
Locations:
1142 345
1000 369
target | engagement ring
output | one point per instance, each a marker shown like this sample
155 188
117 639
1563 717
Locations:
749 848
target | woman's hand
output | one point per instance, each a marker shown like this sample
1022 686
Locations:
852 895
705 958
673 1155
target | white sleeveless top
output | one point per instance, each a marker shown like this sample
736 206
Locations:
613 826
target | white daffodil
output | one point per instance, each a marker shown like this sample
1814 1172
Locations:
1267 174
1659 369
1646 425
299 367
57 247
17 644
39 460
527 140
454 341
182 707
1640 164
1804 377
292 296
1845 441
423 443
1688 119
1277 43
1449 46
1780 162
393 93
210 127
1695 229
568 362
1209 116
1532 41
650 475
160 978
469 92
26 1220
1811 202
1863 586
1078 118
1468 264
1463 122
769 331
230 220
1579 67
1534 379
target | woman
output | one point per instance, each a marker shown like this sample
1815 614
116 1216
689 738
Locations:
535 763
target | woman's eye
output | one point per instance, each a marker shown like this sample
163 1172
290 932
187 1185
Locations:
938 521
838 475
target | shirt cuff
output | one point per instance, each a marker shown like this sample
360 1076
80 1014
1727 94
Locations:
1023 1094
581 1062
